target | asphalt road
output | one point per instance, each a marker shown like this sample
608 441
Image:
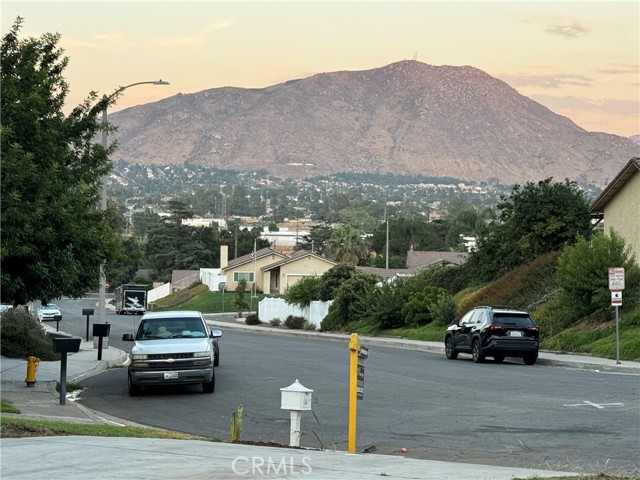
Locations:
510 414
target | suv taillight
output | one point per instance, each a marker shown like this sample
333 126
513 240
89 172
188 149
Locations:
493 326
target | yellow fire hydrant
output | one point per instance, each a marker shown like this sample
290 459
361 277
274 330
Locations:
32 368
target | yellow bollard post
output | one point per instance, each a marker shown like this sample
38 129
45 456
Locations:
32 367
354 348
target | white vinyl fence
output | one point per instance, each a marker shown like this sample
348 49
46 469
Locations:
270 308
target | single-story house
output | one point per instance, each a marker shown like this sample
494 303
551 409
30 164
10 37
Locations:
618 205
247 267
286 272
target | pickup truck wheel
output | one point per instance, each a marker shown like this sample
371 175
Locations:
134 390
209 387
216 359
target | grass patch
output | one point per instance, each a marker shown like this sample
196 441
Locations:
201 299
599 341
6 407
12 427
432 332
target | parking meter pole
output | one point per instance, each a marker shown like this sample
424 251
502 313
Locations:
354 346
63 378
87 336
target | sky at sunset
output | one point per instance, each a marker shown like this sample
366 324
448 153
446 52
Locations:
581 59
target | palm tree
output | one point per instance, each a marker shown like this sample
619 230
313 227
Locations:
347 246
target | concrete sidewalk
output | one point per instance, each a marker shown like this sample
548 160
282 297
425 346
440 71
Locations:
83 457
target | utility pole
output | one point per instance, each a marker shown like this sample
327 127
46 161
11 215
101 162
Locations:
386 255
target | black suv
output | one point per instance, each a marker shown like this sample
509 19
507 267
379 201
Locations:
497 332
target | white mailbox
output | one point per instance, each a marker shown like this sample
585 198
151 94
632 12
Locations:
295 397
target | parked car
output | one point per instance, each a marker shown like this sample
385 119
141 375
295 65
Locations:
47 312
493 331
173 347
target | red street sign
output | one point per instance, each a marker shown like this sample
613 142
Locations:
616 279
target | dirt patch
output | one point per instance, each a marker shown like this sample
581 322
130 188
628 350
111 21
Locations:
11 430
263 444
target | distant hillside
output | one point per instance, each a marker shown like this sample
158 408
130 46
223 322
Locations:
405 118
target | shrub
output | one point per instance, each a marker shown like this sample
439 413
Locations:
275 322
252 319
309 326
303 292
23 336
294 322
583 271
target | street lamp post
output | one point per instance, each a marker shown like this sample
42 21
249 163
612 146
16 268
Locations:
103 195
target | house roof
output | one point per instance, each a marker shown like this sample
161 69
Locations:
385 273
418 259
248 258
611 190
298 254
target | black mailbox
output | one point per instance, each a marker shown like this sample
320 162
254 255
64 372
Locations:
87 311
101 329
65 345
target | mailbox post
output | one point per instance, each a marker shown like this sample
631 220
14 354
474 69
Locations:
295 398
64 346
88 312
101 330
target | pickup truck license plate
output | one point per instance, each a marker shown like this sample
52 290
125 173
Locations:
170 375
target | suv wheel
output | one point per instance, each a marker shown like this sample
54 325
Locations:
449 351
530 358
476 352
134 390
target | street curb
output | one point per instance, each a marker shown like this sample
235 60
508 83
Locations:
407 344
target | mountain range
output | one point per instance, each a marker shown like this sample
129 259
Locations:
406 118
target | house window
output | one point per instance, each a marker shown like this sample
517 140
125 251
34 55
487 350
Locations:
239 276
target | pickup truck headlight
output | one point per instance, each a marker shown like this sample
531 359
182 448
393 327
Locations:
137 361
203 358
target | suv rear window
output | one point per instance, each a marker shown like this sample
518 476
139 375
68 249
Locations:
511 319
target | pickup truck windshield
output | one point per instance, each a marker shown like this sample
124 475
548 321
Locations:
157 329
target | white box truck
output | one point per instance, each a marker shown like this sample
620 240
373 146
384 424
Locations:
131 298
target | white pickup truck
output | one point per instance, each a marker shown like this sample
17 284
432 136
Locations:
173 347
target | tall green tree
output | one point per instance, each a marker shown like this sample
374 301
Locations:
347 246
317 239
534 219
174 246
54 238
